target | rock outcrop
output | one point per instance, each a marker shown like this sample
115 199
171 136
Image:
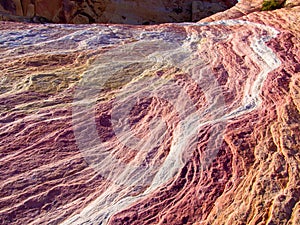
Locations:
108 11
191 123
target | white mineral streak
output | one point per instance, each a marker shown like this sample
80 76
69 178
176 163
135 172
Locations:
127 179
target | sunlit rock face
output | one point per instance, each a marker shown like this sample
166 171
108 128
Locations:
244 7
115 11
192 123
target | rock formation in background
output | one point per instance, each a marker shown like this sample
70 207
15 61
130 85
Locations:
115 11
191 123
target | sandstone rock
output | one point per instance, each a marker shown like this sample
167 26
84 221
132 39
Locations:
8 6
49 9
202 9
107 11
192 123
19 9
10 17
25 5
292 3
30 10
244 7
81 19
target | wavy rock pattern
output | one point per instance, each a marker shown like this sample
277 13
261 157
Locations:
193 123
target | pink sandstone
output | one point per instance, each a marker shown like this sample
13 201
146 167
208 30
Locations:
191 123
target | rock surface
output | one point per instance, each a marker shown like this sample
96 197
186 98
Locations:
193 123
115 11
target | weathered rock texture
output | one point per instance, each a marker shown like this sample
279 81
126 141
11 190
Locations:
245 7
168 124
114 11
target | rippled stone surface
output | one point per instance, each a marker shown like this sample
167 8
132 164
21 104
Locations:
194 123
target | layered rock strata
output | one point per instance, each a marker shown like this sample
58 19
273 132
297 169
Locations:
192 123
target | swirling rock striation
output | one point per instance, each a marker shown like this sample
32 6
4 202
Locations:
191 123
